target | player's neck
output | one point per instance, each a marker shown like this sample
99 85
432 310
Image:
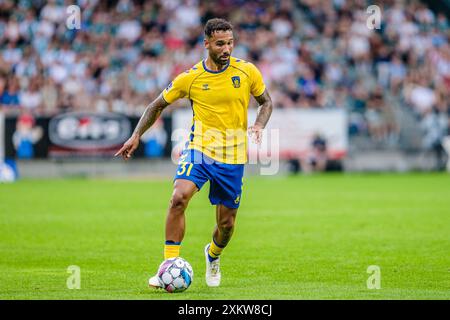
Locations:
211 65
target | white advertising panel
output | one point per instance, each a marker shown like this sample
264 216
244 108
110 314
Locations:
289 132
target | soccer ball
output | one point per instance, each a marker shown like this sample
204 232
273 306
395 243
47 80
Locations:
175 274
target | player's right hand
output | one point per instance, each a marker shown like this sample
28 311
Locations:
128 147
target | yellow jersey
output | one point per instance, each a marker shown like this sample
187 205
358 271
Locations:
219 101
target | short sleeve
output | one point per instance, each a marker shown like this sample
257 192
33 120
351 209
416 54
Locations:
257 83
177 89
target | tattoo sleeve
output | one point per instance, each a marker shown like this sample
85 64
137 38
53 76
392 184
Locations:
151 113
264 110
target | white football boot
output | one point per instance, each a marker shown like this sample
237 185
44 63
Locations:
154 282
212 275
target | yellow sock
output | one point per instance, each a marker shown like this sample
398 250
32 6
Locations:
214 250
171 249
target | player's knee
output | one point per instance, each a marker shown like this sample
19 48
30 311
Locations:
179 200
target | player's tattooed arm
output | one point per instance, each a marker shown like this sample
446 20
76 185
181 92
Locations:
151 113
264 112
148 118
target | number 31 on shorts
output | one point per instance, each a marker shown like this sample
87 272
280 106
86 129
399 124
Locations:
183 169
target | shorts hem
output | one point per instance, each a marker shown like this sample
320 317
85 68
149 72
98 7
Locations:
216 202
192 180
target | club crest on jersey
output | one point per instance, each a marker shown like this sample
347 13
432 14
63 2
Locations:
205 86
236 81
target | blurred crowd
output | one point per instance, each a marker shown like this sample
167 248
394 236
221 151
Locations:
312 53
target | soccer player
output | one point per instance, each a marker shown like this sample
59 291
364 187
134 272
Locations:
219 90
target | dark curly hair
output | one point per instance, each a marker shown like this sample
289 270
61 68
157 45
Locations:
217 24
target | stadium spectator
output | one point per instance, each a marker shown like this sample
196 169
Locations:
31 98
435 125
10 96
317 158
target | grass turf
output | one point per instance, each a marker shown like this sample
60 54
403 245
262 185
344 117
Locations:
305 237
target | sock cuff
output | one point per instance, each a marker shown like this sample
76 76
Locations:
172 243
215 243
171 249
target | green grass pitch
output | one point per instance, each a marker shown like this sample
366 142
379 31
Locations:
303 237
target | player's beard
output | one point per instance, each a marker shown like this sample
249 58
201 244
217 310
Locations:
219 61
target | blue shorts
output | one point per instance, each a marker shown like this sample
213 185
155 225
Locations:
225 179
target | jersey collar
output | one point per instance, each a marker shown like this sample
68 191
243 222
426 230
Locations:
211 71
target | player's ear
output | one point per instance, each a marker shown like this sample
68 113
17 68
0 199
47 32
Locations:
206 43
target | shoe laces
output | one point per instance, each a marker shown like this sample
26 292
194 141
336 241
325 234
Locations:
215 267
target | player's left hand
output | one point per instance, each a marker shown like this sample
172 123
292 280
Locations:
255 133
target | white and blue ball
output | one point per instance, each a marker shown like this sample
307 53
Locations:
175 275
